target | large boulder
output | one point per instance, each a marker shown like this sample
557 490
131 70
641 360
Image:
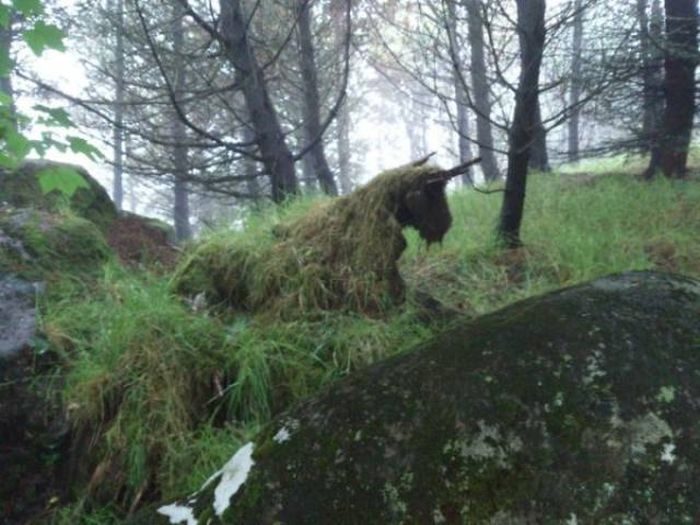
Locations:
32 426
17 314
20 188
580 406
35 244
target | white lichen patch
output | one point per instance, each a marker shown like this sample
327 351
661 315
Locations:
573 519
594 367
178 514
282 435
289 427
506 518
487 445
647 430
666 394
668 453
233 475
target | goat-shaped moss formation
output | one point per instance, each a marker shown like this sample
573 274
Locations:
342 253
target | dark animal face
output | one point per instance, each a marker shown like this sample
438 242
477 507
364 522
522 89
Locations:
427 211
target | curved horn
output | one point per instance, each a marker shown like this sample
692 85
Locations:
444 176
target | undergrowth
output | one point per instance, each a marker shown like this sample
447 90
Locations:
165 393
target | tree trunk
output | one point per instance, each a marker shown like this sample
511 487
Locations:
181 207
118 126
6 87
532 35
575 86
312 104
679 87
480 89
414 118
343 120
652 91
539 159
461 100
343 145
277 158
250 167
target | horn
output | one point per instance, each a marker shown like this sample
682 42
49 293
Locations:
422 161
444 176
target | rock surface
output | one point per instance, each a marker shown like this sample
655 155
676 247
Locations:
17 314
35 243
21 189
32 427
580 406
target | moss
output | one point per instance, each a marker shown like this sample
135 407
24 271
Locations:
20 189
40 244
341 253
546 409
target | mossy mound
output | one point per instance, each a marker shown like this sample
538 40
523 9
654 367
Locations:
342 253
35 244
141 240
21 189
579 406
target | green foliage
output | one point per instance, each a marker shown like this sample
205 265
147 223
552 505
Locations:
146 374
39 35
166 394
577 227
62 178
56 187
52 245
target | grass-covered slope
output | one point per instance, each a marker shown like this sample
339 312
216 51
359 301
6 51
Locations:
160 393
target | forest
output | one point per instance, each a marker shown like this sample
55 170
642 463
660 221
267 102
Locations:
226 227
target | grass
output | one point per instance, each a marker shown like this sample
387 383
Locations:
165 394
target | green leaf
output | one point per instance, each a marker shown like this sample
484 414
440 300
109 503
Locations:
43 36
5 99
62 178
8 162
17 144
5 16
28 7
56 116
80 145
6 63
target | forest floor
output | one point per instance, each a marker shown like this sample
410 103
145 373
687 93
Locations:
166 392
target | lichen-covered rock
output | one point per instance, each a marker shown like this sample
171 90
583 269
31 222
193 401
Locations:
34 244
17 314
581 406
21 189
32 427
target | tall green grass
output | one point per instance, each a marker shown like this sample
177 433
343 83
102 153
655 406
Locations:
166 394
574 229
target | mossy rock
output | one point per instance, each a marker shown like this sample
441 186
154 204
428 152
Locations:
580 406
20 188
35 244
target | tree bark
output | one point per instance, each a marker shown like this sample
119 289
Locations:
575 83
312 106
480 89
6 35
277 158
532 34
181 207
650 35
461 99
679 87
539 158
118 126
345 178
